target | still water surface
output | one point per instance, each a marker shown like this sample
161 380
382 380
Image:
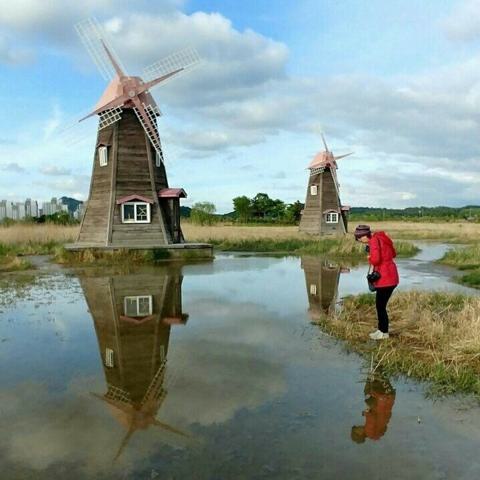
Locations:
214 371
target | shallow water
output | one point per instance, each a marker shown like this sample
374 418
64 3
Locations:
213 371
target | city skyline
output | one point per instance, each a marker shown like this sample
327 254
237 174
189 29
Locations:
31 208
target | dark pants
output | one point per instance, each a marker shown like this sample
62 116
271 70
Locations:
381 300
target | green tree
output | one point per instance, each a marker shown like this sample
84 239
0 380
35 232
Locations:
242 207
293 212
203 213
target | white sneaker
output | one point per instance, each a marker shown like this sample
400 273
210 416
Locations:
378 335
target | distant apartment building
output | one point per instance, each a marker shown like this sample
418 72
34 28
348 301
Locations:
53 206
3 209
29 209
79 212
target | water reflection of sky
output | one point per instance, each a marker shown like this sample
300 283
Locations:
263 393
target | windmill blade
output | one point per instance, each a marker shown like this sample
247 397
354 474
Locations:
343 156
182 61
324 143
71 132
124 442
147 114
169 428
94 39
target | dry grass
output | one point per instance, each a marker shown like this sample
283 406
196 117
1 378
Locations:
197 233
458 232
435 337
281 239
22 234
14 264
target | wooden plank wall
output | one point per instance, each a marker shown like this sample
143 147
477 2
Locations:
133 176
312 212
94 226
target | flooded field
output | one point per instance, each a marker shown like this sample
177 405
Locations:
214 371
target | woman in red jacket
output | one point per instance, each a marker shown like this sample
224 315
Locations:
381 255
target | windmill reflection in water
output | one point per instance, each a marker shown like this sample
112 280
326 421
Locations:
322 278
133 315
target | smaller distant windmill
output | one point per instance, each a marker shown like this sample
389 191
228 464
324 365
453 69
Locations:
323 213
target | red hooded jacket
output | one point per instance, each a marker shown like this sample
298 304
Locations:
382 253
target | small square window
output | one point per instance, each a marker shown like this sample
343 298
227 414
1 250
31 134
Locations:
138 306
332 217
313 289
313 189
136 212
103 156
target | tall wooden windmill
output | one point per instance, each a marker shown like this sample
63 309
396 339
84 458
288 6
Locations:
324 213
133 316
130 203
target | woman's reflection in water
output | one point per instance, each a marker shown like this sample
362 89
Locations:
380 397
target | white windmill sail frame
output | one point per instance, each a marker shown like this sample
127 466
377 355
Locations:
154 136
110 116
185 60
92 34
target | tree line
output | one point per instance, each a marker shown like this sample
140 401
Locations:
259 209
265 210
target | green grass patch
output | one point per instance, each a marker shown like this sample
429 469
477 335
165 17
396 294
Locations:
12 263
105 258
29 248
471 279
95 257
344 247
466 257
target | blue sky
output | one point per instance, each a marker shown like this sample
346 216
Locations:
397 82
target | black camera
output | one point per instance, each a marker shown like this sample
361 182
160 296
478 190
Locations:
373 277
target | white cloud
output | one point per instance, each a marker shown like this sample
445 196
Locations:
54 170
463 24
13 167
13 55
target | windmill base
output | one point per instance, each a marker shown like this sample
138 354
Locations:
174 251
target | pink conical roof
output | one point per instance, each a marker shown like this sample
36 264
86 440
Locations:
322 159
114 89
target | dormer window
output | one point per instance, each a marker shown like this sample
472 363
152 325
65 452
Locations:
138 306
331 217
313 189
103 155
136 212
135 209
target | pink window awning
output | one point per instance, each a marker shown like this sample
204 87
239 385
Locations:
172 193
132 198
